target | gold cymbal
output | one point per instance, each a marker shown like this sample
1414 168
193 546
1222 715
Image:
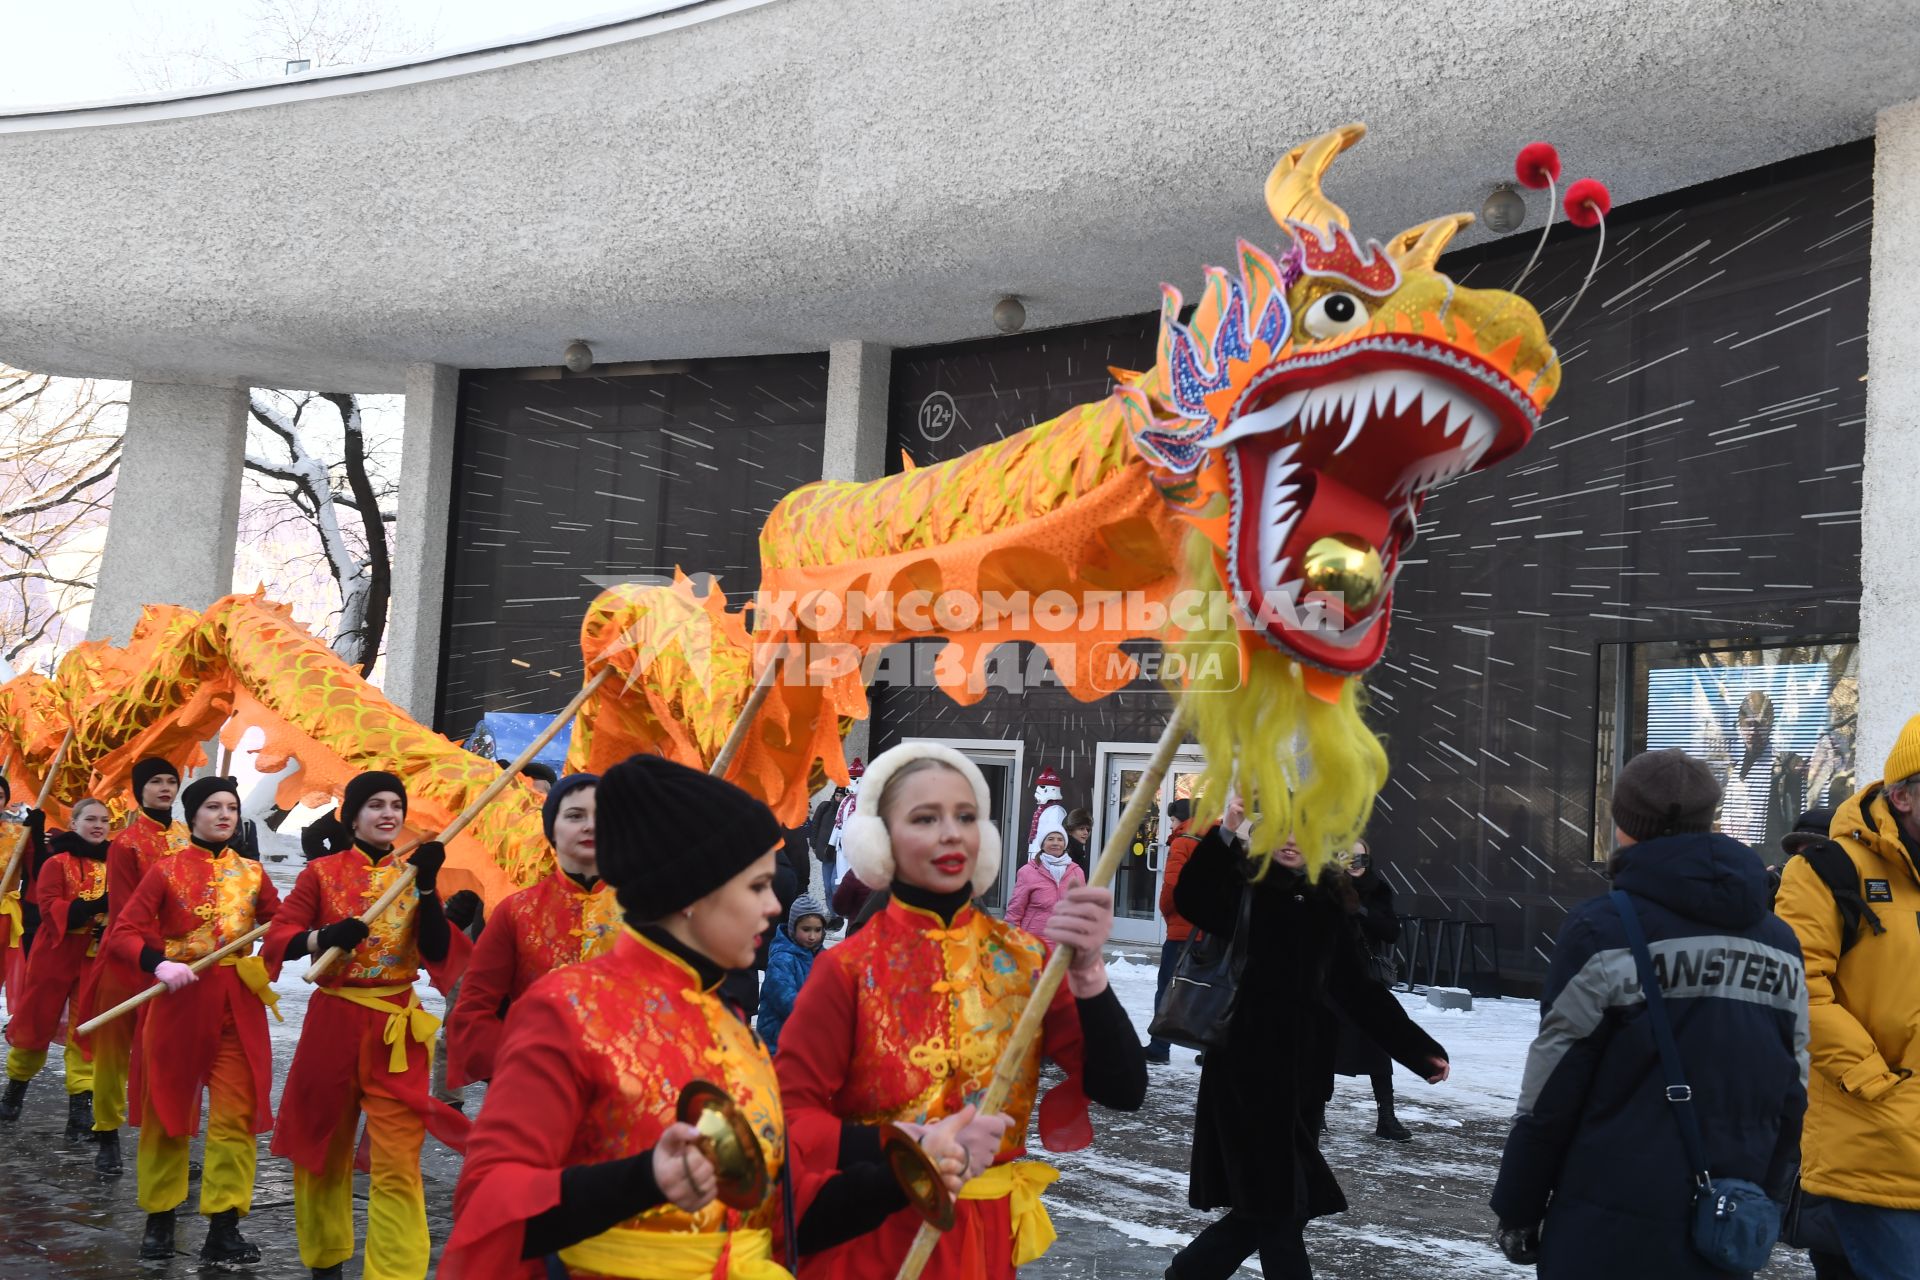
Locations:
728 1142
913 1169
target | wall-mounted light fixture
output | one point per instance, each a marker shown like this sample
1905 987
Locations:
1503 210
1009 314
578 357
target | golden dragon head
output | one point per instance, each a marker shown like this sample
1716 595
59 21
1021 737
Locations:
1299 419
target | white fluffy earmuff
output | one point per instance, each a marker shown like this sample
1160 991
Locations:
864 839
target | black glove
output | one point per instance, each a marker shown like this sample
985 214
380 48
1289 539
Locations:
462 908
1520 1244
36 822
427 860
82 910
344 934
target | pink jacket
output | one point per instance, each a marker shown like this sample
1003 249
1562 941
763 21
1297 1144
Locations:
1036 894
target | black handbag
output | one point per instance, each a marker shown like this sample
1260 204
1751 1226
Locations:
1198 1006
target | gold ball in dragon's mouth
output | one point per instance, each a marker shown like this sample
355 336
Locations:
1347 566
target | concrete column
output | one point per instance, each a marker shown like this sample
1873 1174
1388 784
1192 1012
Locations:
176 504
412 676
1890 503
855 443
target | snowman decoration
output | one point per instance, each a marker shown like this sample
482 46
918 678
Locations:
1046 796
840 818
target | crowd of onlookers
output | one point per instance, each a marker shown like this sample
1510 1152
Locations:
1765 1087
1728 1047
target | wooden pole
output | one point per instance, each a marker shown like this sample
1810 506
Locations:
201 965
401 882
1033 1017
20 841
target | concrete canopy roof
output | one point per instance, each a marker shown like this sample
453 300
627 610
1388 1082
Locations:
746 176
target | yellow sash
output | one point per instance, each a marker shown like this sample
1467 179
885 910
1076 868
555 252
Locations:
1021 1183
401 1022
252 972
672 1255
10 908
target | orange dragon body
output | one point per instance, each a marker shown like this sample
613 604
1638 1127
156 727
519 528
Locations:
1254 494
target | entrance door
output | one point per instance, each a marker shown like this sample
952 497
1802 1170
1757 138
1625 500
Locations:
1136 888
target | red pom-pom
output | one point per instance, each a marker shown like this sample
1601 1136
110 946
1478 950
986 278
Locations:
1587 202
1537 165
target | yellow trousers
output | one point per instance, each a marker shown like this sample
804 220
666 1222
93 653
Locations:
226 1175
398 1247
112 1059
25 1064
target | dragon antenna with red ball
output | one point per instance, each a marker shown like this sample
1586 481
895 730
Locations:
1587 205
1538 168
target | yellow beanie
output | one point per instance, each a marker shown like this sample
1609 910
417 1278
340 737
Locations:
1904 760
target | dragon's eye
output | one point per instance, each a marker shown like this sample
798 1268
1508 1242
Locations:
1334 314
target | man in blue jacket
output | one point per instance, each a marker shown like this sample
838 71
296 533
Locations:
1594 1181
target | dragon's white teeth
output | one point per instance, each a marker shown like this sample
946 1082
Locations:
1353 433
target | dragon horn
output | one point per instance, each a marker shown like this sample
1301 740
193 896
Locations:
1418 248
1293 188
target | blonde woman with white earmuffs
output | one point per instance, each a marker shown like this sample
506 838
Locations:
906 1020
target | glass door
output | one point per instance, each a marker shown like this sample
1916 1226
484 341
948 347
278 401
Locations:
1136 887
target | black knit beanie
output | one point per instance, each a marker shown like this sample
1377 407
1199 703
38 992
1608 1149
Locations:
364 788
550 808
201 790
1664 793
667 836
147 770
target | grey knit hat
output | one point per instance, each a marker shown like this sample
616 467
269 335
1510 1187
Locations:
1664 793
803 906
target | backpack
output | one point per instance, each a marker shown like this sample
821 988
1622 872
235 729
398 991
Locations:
1836 870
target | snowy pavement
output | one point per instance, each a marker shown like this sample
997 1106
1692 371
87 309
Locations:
1418 1209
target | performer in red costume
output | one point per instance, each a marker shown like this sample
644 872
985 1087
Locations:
150 836
569 916
208 1033
72 893
366 1042
577 1151
906 1020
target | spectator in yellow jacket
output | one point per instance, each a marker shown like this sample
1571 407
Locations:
1861 1143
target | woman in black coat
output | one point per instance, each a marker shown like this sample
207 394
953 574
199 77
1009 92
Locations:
1254 1149
1369 900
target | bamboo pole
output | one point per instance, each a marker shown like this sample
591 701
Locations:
404 880
201 965
20 841
1033 1017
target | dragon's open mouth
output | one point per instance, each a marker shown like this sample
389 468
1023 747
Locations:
1331 453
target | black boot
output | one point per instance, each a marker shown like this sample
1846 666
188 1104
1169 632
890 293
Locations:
328 1273
157 1243
79 1117
14 1098
226 1247
1390 1127
106 1153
